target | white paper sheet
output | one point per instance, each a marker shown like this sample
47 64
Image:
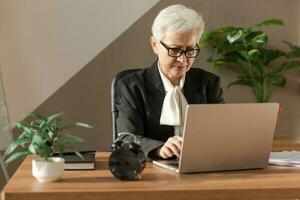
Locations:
290 158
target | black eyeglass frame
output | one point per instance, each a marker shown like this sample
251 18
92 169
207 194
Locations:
181 50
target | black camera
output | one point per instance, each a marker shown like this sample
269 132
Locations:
127 159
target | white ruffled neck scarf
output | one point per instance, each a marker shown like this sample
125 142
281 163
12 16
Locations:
174 105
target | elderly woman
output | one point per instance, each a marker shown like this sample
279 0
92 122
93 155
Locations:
152 101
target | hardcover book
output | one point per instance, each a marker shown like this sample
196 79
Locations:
74 162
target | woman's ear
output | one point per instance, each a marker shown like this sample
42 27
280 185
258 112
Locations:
154 44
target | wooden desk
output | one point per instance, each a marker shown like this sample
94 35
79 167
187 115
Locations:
270 183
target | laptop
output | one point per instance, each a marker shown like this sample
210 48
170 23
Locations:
221 137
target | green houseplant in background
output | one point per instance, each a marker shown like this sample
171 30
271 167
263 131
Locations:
246 51
42 137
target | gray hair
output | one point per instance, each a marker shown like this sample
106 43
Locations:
176 18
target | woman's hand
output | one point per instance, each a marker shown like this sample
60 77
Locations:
172 147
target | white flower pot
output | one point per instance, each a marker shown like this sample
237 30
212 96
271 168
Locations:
48 171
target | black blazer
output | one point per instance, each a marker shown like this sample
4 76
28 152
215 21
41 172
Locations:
140 98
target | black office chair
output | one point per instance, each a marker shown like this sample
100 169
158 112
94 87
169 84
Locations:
114 110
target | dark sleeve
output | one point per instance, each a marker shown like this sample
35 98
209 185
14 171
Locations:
131 117
215 93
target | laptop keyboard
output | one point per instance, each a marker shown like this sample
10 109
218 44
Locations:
174 164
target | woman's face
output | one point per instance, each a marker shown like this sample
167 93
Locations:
175 67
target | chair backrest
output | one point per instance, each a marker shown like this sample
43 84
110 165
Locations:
114 110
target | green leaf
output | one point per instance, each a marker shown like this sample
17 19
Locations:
59 148
38 140
13 146
68 139
222 48
212 38
255 58
261 91
84 125
38 124
262 38
50 134
246 30
25 136
234 36
244 55
47 151
292 47
243 80
270 55
16 155
55 117
293 54
64 141
38 116
253 52
215 53
72 139
216 64
79 155
210 59
252 35
74 125
271 22
23 126
277 80
206 38
291 64
41 146
227 29
32 149
234 56
260 68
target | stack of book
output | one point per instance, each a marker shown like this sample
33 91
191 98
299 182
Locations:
73 162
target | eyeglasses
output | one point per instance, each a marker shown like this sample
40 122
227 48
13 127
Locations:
177 52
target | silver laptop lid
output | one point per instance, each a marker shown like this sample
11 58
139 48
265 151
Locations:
221 137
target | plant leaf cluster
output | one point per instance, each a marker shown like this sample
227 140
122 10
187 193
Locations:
42 137
246 51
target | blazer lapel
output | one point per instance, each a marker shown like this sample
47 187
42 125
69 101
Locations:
155 89
192 92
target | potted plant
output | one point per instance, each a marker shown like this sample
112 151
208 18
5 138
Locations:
246 51
42 137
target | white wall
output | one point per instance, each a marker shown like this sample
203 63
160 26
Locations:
45 42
